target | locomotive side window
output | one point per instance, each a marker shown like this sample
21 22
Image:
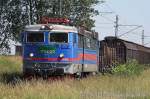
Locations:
35 37
89 43
93 44
59 37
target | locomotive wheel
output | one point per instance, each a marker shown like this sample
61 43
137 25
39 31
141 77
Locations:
81 75
78 75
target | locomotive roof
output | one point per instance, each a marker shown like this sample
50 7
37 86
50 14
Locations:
55 28
84 32
130 45
61 28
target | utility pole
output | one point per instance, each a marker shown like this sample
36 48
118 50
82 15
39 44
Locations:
143 37
116 26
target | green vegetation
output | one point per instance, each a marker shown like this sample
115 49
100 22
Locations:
97 87
132 67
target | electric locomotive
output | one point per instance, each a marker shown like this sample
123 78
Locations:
55 48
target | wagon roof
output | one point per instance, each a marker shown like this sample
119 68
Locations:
135 46
131 45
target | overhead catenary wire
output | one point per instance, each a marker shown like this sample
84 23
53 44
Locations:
146 36
130 30
104 27
117 25
110 8
107 7
127 28
105 23
147 43
128 25
108 19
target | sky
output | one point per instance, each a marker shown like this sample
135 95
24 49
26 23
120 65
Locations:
130 12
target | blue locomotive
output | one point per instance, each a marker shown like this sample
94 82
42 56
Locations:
54 48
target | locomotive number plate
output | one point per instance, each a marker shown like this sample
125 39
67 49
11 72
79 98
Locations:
47 49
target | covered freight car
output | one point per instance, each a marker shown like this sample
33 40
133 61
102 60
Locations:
115 51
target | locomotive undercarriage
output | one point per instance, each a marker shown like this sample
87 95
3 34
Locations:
57 69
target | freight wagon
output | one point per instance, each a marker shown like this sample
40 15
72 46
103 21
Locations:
113 51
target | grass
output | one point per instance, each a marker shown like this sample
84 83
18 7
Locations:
97 87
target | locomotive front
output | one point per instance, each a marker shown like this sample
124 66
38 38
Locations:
48 49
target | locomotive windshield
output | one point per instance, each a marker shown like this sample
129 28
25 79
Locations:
59 37
35 37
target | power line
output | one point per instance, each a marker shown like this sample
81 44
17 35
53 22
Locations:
117 25
106 12
106 23
147 43
130 30
104 27
108 19
111 11
146 36
109 7
128 25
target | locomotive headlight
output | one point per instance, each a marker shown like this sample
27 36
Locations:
61 55
51 27
31 54
43 27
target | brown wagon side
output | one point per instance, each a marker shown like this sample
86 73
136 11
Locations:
113 51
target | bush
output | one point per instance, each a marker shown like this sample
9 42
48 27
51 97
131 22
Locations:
132 67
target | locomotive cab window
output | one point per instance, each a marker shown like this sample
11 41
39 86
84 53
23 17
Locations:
59 37
35 37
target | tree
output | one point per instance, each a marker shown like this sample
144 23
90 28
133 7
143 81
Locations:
15 14
80 11
4 27
11 23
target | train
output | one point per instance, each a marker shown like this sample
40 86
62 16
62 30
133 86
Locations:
57 48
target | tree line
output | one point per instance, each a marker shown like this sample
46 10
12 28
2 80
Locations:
15 14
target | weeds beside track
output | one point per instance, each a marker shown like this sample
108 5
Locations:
12 86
